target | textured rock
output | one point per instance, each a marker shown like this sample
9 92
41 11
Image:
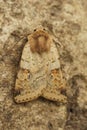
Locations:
66 20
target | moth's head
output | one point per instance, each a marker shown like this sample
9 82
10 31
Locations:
40 41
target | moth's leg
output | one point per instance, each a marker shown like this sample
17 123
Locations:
54 88
22 85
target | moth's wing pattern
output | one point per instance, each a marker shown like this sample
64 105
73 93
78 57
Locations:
55 87
31 78
22 84
56 82
40 75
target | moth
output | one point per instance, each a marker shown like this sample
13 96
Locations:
39 70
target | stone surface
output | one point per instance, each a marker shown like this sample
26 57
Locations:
65 20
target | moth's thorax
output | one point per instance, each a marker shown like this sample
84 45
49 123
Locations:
40 41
